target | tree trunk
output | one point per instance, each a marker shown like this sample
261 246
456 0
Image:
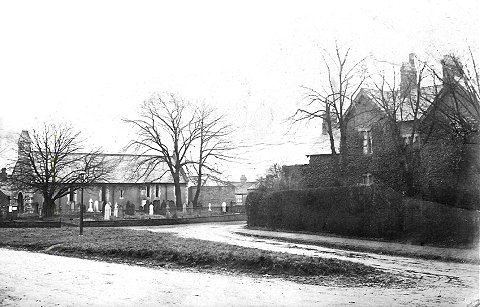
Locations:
48 207
197 192
178 191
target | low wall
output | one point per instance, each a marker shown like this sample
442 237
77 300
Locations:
160 222
29 224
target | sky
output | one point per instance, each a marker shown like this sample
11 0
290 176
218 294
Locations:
92 63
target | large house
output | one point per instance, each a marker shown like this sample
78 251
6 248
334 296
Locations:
122 187
399 138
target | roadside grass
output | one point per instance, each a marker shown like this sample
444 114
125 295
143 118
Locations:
377 250
162 249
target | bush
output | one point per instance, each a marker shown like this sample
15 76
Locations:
364 212
361 211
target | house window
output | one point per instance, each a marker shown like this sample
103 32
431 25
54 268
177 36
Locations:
157 190
367 179
367 142
148 191
121 193
239 198
408 136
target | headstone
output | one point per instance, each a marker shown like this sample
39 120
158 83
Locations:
150 209
95 206
129 208
121 211
108 212
209 207
115 210
184 207
90 205
72 205
157 207
224 207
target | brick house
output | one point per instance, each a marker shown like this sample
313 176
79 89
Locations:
121 187
407 149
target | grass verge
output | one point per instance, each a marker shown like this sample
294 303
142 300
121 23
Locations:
362 248
160 249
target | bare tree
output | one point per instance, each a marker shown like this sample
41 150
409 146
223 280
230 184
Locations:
344 79
213 146
166 132
460 116
403 104
53 162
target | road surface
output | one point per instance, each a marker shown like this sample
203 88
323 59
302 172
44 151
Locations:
454 282
35 279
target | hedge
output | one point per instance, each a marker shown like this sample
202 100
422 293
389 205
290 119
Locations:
363 211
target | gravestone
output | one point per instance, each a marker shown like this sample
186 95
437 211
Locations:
130 208
209 207
115 210
95 206
150 209
224 207
108 212
157 207
90 205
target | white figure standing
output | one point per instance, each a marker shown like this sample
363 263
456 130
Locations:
95 206
115 210
209 207
108 212
150 209
90 205
224 207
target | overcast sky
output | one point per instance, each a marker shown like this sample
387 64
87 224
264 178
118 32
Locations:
91 63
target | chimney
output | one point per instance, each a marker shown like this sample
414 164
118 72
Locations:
451 67
408 76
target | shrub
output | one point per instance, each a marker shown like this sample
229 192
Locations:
363 211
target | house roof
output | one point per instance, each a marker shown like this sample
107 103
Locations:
128 168
404 107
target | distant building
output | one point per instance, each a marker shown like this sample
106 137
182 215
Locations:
232 192
122 187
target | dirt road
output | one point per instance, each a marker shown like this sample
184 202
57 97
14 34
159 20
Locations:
450 282
35 279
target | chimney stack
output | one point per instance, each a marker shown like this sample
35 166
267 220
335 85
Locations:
451 67
408 76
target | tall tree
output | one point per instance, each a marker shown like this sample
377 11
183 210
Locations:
54 162
166 131
403 102
212 146
344 78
